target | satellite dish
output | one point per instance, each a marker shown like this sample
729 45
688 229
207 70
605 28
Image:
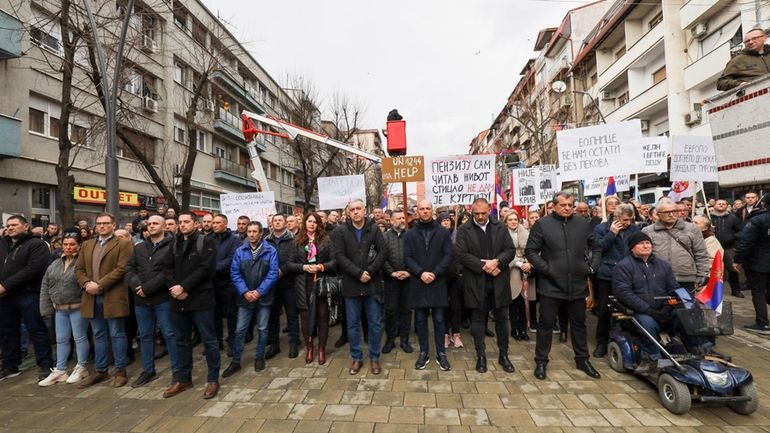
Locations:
559 86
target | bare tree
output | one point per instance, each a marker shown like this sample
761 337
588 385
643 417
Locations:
535 116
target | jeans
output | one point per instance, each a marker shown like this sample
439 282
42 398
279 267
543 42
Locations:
398 318
15 309
479 322
576 313
147 316
439 328
651 326
759 283
70 324
286 299
182 323
245 315
117 337
673 326
373 308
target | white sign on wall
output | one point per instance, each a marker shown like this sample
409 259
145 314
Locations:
335 192
693 159
600 150
459 179
255 205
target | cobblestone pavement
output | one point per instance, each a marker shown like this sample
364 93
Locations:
292 397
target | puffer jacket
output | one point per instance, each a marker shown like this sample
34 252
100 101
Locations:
614 247
59 287
636 283
250 274
745 66
395 260
753 250
689 264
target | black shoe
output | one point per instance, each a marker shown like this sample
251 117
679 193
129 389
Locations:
271 351
505 363
231 369
738 294
422 361
388 346
161 353
481 364
343 340
563 337
144 378
443 362
489 333
259 364
524 336
285 330
515 335
585 366
540 371
600 351
293 351
761 329
406 347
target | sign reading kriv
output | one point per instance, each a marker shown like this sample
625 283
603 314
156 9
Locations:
548 182
526 186
599 150
593 186
403 169
460 179
255 205
693 159
335 192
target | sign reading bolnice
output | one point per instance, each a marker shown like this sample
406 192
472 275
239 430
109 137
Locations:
459 179
599 150
255 205
335 192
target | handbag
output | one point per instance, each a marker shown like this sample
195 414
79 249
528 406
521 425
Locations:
329 286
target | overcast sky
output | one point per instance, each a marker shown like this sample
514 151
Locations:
448 66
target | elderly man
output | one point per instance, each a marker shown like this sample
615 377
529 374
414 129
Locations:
752 62
681 244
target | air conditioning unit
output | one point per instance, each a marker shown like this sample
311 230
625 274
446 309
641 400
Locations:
148 44
150 104
699 31
692 118
566 101
645 125
607 95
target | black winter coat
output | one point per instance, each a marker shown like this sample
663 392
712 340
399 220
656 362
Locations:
428 248
636 283
753 250
727 227
470 252
226 244
285 247
193 271
325 257
557 248
395 260
353 258
23 264
146 269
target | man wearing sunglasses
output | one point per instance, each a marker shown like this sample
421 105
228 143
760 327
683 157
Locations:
752 62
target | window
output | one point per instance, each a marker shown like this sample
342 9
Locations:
45 40
220 152
180 73
79 135
204 201
180 133
180 16
45 32
201 140
620 52
623 99
43 116
659 75
36 121
53 128
41 198
274 172
657 19
144 144
132 81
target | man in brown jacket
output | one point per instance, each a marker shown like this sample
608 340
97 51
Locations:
752 62
99 270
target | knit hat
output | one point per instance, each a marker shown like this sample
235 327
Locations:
443 216
636 238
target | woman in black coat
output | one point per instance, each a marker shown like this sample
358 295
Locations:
313 258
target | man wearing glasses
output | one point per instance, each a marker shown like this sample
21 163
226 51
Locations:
752 62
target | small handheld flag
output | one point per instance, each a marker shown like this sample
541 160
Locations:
713 294
611 189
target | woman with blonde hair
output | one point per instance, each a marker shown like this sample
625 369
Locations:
521 273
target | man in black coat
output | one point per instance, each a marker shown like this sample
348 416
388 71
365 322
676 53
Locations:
557 249
485 249
190 279
227 242
428 256
753 255
23 261
398 317
285 293
360 251
727 227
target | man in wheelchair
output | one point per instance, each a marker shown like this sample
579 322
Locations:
638 280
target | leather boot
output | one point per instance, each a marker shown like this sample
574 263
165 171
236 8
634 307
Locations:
321 355
309 351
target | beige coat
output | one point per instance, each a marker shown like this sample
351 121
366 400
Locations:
713 245
519 237
112 267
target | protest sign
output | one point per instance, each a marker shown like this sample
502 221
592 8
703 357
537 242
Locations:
598 185
526 186
459 179
600 150
336 192
548 182
654 155
693 159
255 205
403 169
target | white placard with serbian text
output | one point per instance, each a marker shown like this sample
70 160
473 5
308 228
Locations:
600 150
693 159
548 183
654 155
526 186
459 179
335 192
255 205
598 185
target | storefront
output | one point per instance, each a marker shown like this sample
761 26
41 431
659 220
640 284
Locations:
90 201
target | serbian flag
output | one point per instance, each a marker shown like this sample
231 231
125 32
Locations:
611 189
384 203
713 294
680 190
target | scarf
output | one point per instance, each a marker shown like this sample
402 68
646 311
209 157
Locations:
311 249
255 251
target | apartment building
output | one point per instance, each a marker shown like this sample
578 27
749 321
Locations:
175 49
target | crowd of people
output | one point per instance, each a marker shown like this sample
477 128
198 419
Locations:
175 279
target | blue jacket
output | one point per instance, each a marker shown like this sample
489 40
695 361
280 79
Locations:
260 275
227 243
635 283
614 247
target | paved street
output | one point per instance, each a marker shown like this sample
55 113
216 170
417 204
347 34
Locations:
292 397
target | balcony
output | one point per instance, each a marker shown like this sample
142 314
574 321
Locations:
10 131
228 124
645 44
11 33
643 102
236 85
233 172
708 67
695 11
